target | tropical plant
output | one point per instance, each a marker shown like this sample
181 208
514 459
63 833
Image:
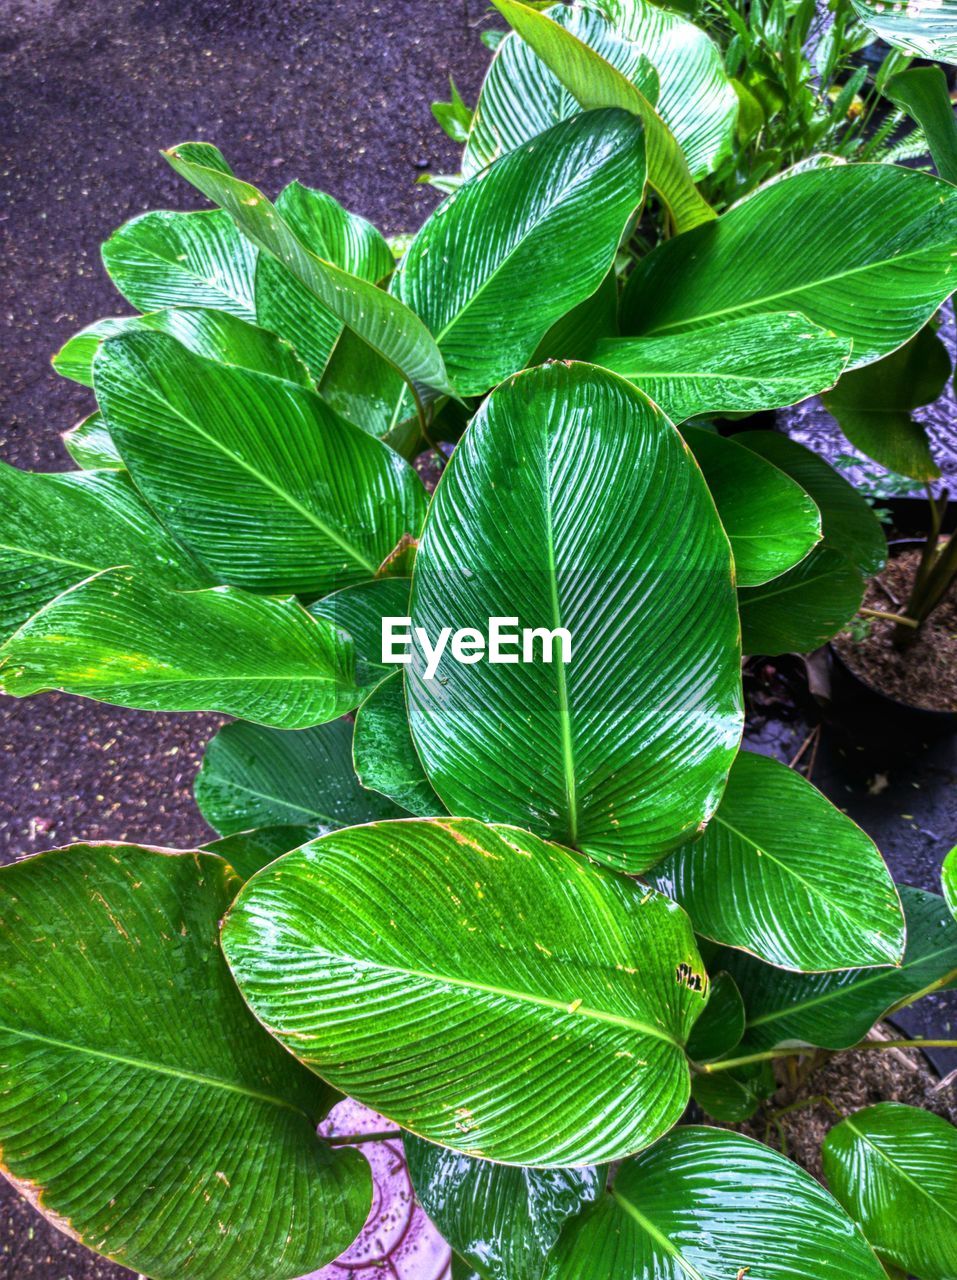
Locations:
530 902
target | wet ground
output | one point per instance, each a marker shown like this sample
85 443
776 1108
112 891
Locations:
336 94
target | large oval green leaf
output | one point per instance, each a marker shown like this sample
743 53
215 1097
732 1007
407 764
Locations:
360 610
389 328
385 757
771 522
57 529
142 1109
167 259
782 873
218 335
121 639
478 986
490 271
252 776
287 306
572 502
269 487
597 83
836 1010
502 1220
894 1169
816 242
741 365
704 1204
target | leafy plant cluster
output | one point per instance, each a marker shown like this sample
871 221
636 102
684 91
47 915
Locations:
524 910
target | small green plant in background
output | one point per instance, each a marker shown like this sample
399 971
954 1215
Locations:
526 910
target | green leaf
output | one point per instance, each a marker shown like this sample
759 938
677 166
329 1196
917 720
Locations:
873 405
529 1007
770 521
254 777
705 1203
359 610
781 873
384 753
816 242
289 307
90 445
57 529
836 1010
894 1169
490 271
571 337
129 642
734 1095
848 521
389 328
930 31
596 83
164 259
741 365
721 1026
454 117
269 488
924 94
501 1220
214 334
948 877
571 502
249 851
144 1110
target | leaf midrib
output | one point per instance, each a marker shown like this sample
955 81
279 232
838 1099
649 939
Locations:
657 1236
905 1176
156 1068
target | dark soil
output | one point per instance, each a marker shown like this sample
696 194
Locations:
924 674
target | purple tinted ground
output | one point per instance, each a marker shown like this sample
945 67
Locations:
336 94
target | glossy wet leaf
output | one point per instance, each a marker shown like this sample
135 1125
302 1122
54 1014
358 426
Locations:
741 365
529 1006
573 336
217 335
249 851
57 529
384 753
705 1203
782 873
360 610
253 776
770 521
502 1220
815 242
289 307
165 259
734 1095
90 445
948 878
928 30
594 83
721 1026
123 640
836 1010
572 502
873 405
143 1107
923 92
269 488
894 1169
388 327
490 271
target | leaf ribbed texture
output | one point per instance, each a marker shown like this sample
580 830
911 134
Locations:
894 1169
164 259
928 30
704 1204
817 242
252 776
476 985
782 873
271 489
385 757
490 271
122 640
90 446
571 501
143 1109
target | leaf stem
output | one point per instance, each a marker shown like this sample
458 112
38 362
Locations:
901 619
770 1055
